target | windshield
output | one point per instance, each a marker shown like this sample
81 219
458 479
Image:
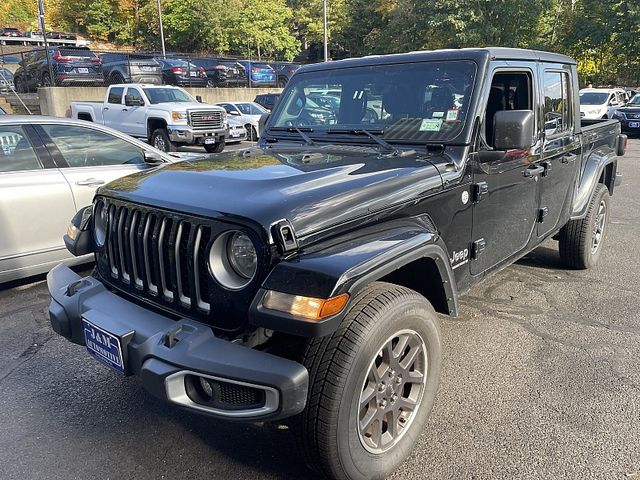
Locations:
593 98
635 100
425 101
165 95
250 108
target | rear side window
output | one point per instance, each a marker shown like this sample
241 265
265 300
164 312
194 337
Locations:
16 153
557 108
115 95
86 147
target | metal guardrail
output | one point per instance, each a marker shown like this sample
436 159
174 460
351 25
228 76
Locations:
39 41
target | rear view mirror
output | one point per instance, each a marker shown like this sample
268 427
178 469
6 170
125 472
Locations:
199 98
263 121
513 129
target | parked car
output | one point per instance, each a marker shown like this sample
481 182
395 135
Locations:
61 36
10 32
248 113
34 35
41 187
259 74
6 81
70 65
130 68
222 72
167 116
237 131
598 103
267 100
301 279
629 115
284 71
10 62
182 73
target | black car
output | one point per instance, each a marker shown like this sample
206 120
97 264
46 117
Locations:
131 68
179 72
284 71
222 72
267 100
629 115
70 66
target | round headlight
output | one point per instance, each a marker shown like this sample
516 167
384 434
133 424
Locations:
242 255
100 214
233 260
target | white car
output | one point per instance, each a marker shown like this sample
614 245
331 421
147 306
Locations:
49 169
596 103
248 113
237 131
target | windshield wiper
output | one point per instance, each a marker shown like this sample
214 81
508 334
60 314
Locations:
372 134
300 130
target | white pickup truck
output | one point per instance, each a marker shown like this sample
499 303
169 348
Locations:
166 116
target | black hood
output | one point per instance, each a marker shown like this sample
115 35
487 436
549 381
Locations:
313 190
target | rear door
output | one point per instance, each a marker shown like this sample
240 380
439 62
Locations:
506 182
89 158
114 110
36 205
561 147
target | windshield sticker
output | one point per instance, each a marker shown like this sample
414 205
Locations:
431 125
437 115
452 115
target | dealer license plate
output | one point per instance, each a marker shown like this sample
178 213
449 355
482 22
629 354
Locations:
634 124
209 141
235 133
146 68
193 74
103 346
83 70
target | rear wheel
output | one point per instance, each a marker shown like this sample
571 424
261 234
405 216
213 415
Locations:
160 140
115 78
581 240
371 385
216 147
282 82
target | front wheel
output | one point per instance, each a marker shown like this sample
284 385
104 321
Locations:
581 240
160 140
372 385
216 147
46 80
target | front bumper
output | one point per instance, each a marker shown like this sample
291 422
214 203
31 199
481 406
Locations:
164 352
626 125
186 134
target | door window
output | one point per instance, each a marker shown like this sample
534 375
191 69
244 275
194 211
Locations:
86 147
509 91
136 97
16 153
557 108
115 95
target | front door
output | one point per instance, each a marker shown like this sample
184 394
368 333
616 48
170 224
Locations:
561 151
134 121
506 182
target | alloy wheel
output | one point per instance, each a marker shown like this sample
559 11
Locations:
598 227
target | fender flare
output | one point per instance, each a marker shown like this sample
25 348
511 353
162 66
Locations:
348 266
596 163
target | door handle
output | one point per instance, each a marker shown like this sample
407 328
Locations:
125 109
533 171
569 158
90 182
105 108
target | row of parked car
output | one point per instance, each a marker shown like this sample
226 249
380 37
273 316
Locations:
81 66
15 35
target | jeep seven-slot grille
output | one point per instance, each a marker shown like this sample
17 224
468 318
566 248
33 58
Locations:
206 119
162 257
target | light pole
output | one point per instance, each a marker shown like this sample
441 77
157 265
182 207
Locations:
324 25
52 79
164 52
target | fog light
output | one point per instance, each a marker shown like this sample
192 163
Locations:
206 387
306 307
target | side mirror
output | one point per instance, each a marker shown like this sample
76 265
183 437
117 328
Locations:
131 101
263 121
234 112
513 129
198 98
152 158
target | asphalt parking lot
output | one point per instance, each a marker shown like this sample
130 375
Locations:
541 379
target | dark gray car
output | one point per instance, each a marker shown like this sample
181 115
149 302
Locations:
130 68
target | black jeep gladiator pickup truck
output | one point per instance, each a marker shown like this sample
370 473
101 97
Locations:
301 279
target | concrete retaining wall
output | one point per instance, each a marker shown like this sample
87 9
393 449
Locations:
56 101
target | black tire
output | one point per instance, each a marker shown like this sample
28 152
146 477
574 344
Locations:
18 86
252 133
340 368
160 140
282 82
216 147
581 240
116 78
46 80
